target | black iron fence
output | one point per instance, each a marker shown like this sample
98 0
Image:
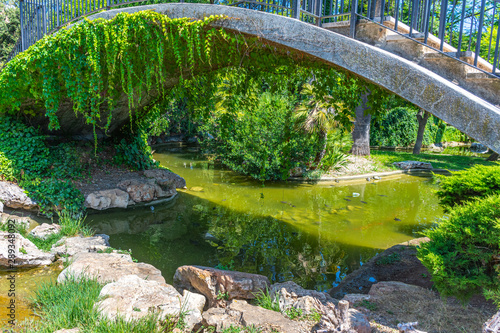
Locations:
464 29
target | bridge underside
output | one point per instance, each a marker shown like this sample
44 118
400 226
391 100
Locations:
429 91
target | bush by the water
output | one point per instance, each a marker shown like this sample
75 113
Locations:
260 141
26 158
135 153
463 252
476 182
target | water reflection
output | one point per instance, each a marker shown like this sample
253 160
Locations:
313 234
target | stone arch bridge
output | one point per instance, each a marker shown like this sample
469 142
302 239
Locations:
459 87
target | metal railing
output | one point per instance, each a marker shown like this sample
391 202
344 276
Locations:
455 28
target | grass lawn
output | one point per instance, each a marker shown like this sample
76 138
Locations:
384 160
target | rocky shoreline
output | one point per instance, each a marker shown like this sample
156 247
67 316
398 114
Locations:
212 300
130 189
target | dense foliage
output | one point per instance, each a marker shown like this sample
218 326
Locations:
135 153
476 182
41 170
9 30
398 128
463 252
260 141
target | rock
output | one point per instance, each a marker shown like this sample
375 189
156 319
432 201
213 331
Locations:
358 321
166 177
412 165
193 305
259 317
21 252
221 318
109 267
389 287
1 207
106 199
213 283
73 245
12 196
493 324
355 298
291 294
64 330
45 230
146 190
131 297
437 148
22 222
477 147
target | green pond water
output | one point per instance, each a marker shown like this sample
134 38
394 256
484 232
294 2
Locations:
312 233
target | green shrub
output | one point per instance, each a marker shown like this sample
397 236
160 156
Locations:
463 251
260 140
476 182
338 144
135 153
53 194
22 150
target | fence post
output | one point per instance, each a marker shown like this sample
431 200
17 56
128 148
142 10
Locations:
479 32
442 22
319 4
21 19
296 9
354 17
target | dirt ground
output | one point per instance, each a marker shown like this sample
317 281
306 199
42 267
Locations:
424 305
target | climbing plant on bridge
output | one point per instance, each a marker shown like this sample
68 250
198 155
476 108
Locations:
138 54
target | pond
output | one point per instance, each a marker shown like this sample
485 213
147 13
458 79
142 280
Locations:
312 233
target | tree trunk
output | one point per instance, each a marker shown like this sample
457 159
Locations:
361 132
422 117
321 154
493 157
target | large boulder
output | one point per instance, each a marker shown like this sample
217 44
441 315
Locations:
193 305
73 245
290 295
166 177
406 165
106 199
132 298
256 316
146 190
17 251
15 197
390 287
45 230
342 319
218 285
108 267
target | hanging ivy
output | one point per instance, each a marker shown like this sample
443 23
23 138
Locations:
94 62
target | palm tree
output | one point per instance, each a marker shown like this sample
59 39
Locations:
316 115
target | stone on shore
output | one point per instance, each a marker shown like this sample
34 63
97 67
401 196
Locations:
73 245
166 177
15 197
108 267
193 304
132 297
390 287
291 295
406 165
219 285
45 230
146 190
256 316
106 199
25 253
